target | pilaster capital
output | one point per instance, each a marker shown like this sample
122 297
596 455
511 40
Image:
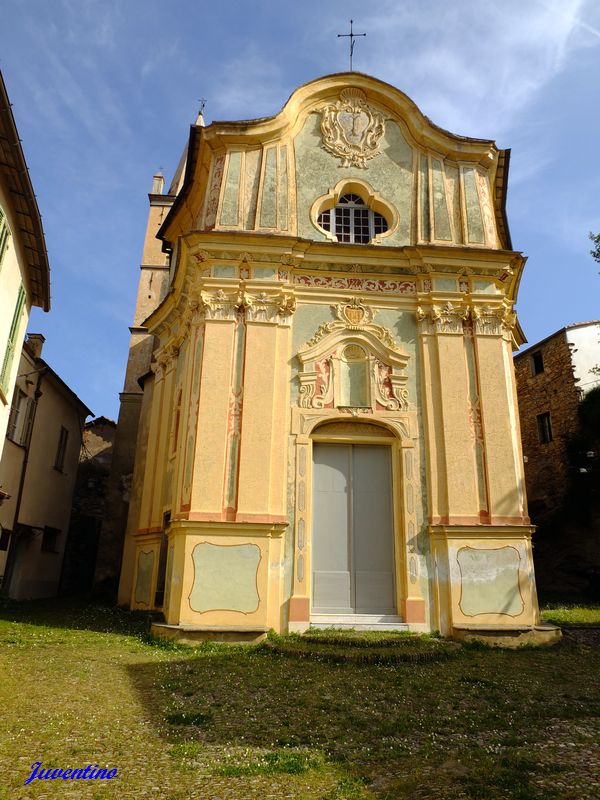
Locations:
493 321
446 318
276 307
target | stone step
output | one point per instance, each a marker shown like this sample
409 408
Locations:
358 622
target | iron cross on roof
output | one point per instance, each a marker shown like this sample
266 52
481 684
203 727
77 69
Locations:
352 36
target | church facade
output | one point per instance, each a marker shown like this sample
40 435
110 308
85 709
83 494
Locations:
328 428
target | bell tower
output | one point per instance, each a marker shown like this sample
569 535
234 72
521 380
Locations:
153 284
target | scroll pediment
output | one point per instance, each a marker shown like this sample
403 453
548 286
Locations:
353 362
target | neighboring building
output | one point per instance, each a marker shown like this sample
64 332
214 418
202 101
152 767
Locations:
552 377
89 506
321 379
154 280
558 385
24 270
38 470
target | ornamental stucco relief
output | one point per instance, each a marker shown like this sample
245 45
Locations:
383 362
352 129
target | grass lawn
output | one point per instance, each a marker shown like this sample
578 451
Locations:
571 614
80 685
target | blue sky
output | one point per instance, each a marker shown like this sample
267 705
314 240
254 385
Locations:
104 91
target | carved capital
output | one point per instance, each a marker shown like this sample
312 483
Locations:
493 321
265 307
447 318
220 305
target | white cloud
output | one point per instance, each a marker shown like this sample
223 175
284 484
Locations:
472 67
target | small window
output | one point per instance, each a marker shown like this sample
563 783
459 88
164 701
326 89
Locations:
352 221
544 427
59 461
20 420
537 362
50 539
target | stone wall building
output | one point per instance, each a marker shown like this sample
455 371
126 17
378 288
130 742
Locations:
558 382
321 372
89 507
552 377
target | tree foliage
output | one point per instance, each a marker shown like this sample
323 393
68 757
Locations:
595 253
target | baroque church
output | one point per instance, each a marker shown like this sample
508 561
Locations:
320 391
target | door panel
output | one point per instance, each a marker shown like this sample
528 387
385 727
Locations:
331 547
352 540
372 529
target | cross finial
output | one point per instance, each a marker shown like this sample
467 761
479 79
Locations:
352 36
202 102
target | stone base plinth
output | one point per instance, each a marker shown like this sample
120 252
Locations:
509 636
194 634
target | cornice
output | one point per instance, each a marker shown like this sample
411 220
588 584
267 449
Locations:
295 256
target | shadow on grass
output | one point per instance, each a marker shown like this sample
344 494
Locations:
75 614
464 728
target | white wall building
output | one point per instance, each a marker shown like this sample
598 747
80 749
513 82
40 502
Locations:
24 270
584 340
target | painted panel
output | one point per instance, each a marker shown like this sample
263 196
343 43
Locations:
474 218
424 199
264 273
251 184
192 423
485 286
453 186
445 284
143 583
168 571
212 198
231 193
224 271
489 220
490 581
354 384
441 218
225 578
283 189
268 208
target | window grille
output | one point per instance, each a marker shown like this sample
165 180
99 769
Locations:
352 221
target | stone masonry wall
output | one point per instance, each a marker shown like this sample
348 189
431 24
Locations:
554 391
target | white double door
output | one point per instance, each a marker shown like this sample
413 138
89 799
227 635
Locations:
352 535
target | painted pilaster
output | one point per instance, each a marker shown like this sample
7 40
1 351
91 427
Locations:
263 452
500 418
152 464
210 456
448 386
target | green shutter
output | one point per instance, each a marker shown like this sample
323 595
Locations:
4 235
12 341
